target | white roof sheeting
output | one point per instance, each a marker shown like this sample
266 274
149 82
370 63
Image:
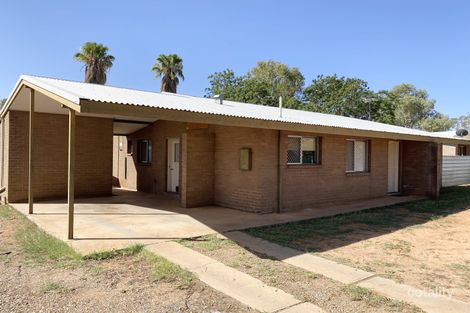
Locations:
74 91
451 134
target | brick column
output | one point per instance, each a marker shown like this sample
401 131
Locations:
197 168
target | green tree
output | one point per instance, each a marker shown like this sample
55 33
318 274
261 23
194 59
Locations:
384 109
437 122
346 96
263 84
226 83
239 88
97 62
2 102
411 105
463 122
170 68
280 80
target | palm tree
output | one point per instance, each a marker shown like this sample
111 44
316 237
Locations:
97 62
170 67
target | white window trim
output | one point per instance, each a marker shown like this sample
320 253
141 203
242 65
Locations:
367 164
317 148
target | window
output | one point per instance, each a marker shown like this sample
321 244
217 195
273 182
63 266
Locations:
176 149
461 150
129 146
357 155
144 151
303 150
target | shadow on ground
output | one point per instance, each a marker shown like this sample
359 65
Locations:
323 234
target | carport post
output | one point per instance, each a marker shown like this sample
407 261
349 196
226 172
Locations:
30 152
71 172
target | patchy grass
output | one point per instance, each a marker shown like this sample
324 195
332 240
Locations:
402 246
7 212
453 199
110 254
357 293
208 243
96 270
37 245
51 286
164 270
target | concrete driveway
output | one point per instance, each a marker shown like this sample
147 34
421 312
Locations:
130 217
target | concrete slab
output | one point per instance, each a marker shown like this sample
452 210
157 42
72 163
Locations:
305 307
429 302
238 285
307 261
130 217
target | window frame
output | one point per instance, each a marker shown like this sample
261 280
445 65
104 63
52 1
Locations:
317 150
130 146
367 155
461 150
148 160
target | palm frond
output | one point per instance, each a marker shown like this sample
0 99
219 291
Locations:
97 62
170 68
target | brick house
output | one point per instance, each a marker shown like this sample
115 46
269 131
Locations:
62 138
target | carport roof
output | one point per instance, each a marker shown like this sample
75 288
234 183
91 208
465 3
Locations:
77 93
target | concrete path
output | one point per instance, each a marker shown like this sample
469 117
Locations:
240 286
429 302
130 217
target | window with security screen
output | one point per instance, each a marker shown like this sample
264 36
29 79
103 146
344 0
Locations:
303 150
144 151
357 155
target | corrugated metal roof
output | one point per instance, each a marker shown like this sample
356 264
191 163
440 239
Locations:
74 91
451 134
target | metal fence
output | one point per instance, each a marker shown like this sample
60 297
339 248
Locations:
455 170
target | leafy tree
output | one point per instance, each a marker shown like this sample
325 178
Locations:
384 109
437 122
2 102
226 83
412 105
170 68
97 62
463 122
239 88
280 80
344 96
263 84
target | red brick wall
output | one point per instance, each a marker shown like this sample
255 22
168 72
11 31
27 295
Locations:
254 190
257 190
308 186
197 168
93 156
421 163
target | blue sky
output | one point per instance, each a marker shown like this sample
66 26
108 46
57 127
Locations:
426 43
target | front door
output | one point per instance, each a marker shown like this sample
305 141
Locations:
393 166
173 175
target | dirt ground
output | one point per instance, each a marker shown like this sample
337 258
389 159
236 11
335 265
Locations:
329 295
433 256
122 284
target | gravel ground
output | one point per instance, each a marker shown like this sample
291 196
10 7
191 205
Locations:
329 295
122 284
